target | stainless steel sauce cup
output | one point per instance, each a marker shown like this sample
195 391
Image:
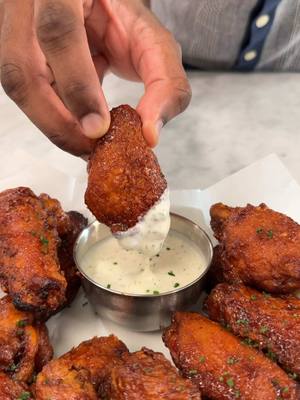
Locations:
143 312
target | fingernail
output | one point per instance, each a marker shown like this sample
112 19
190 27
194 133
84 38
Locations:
93 126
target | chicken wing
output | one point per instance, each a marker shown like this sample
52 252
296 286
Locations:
65 253
258 247
273 323
221 366
13 390
125 180
80 373
24 345
149 376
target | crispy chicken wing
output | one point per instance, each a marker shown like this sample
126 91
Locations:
125 180
258 247
29 268
65 253
24 345
272 323
149 376
80 373
13 390
221 366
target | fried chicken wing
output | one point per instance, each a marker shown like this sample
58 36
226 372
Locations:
258 247
13 390
65 253
80 373
29 268
273 323
221 366
24 345
125 180
149 376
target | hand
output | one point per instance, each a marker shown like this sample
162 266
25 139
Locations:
55 53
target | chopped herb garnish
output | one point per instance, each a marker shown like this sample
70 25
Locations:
232 360
263 329
157 255
285 389
271 355
266 295
230 382
274 382
249 342
242 321
24 396
171 273
270 234
155 292
193 372
108 286
13 367
20 332
237 394
44 240
21 323
202 359
259 230
168 248
293 375
176 285
253 297
147 291
33 233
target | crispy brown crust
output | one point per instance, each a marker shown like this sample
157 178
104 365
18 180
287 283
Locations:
204 351
272 322
24 345
149 376
29 268
80 373
11 389
125 179
258 247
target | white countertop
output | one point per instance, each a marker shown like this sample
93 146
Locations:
233 120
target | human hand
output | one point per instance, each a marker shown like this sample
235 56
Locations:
54 55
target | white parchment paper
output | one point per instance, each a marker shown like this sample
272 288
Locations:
266 181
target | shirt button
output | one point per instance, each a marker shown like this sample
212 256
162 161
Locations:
262 21
250 55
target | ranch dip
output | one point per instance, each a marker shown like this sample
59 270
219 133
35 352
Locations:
178 263
148 235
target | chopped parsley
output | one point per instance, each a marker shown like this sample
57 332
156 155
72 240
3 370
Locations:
108 286
270 234
266 295
176 284
193 372
44 240
21 323
156 292
24 396
242 321
264 329
168 248
202 359
259 230
171 273
230 382
232 360
253 297
147 291
12 368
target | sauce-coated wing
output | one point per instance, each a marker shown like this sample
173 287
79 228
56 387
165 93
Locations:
149 376
258 247
125 180
13 390
221 366
272 323
80 373
24 345
29 267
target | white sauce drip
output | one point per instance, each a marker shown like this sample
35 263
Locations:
148 235
179 263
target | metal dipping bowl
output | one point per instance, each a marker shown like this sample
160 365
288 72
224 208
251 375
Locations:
143 312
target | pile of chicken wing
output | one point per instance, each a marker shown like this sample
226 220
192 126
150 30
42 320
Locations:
244 343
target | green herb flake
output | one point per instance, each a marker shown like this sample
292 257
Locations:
242 321
271 355
293 375
24 396
264 329
270 234
21 323
44 240
237 394
230 382
171 273
202 359
285 389
33 233
259 230
232 360
12 368
155 292
266 295
176 285
147 291
253 297
193 372
108 286
168 248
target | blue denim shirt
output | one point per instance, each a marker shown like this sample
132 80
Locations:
235 34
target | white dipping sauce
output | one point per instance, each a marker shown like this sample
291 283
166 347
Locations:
148 235
179 263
